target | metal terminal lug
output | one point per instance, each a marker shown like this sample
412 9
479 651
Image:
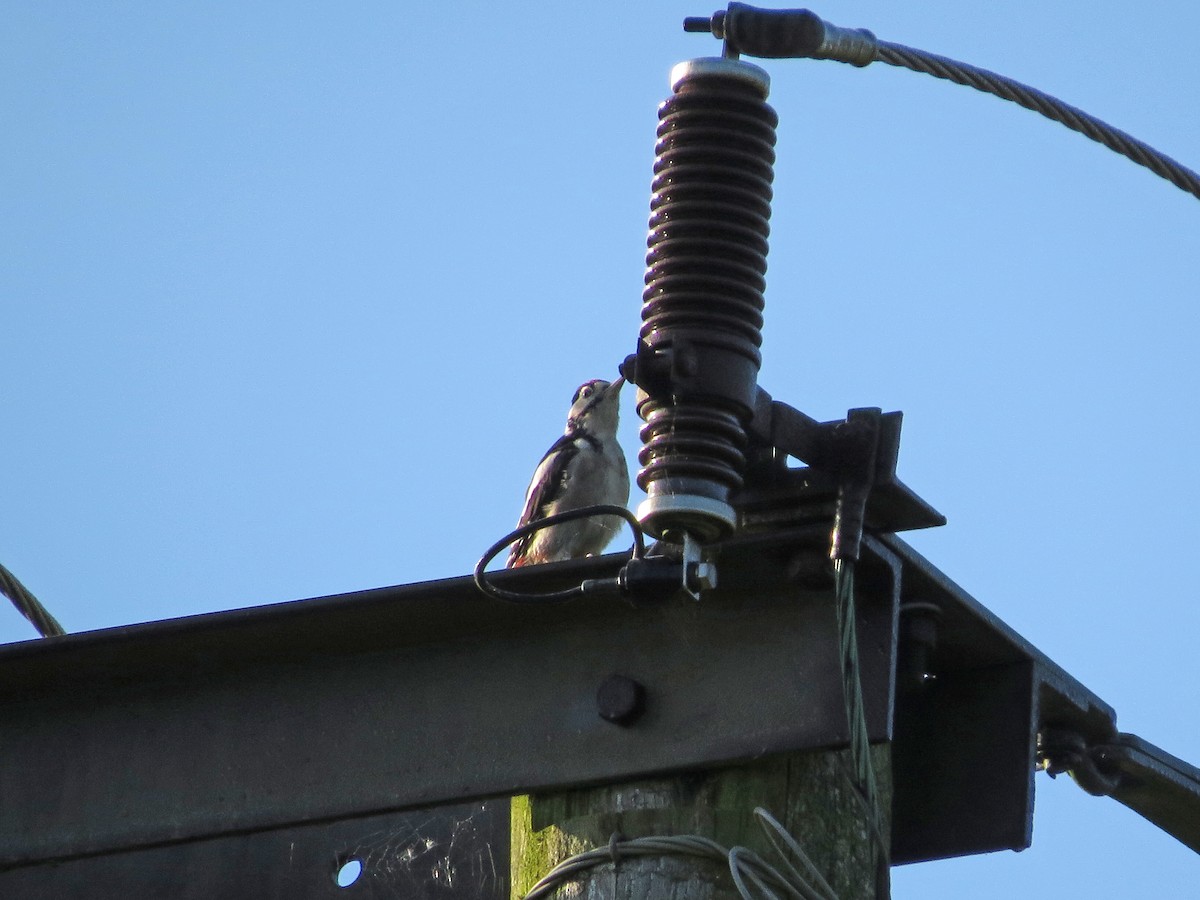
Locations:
698 574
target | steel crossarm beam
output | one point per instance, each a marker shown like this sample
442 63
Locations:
409 697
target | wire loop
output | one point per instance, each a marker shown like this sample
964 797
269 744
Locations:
744 865
584 512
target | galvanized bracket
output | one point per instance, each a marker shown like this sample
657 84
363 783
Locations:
776 495
964 753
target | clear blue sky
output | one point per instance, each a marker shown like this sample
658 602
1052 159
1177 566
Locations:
293 299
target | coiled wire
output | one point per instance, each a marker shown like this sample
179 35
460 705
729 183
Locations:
584 512
746 867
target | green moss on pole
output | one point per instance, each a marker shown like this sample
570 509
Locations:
809 793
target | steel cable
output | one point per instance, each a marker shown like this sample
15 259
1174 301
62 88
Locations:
856 716
802 34
1050 107
862 777
28 605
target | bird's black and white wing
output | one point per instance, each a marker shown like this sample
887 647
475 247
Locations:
548 484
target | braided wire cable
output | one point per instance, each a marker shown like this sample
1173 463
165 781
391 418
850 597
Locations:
28 605
1050 107
863 768
856 716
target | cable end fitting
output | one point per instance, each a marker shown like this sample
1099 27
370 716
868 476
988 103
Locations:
855 452
786 34
856 46
703 24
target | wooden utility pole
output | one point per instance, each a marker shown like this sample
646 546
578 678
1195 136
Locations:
809 793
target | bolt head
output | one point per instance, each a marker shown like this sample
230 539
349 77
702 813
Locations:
620 700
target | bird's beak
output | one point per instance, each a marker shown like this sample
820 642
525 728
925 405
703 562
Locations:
614 386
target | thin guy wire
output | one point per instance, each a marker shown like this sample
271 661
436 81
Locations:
28 605
1050 107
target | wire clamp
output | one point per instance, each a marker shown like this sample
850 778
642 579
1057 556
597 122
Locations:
785 34
1061 750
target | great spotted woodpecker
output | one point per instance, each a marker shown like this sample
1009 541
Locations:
584 467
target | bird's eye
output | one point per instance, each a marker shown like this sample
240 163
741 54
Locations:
585 392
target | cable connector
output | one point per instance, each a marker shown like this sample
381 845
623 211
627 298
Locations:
785 34
854 451
1131 770
1062 750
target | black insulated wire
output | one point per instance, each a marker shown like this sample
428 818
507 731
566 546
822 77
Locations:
585 512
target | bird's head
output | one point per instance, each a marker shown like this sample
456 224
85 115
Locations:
595 406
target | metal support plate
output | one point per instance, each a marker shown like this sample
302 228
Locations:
964 752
